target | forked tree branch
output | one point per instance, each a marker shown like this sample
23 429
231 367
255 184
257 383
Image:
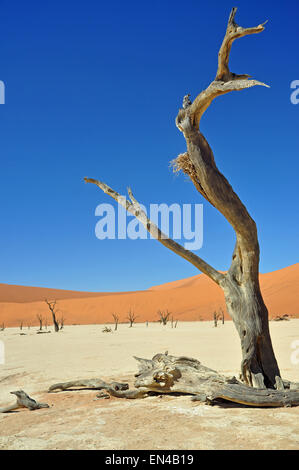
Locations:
225 80
133 207
199 160
233 32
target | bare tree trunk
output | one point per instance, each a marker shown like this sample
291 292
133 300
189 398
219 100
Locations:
40 319
250 316
222 316
116 320
241 283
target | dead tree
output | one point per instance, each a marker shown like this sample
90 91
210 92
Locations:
2 327
52 307
61 322
116 320
21 325
221 313
40 319
240 283
281 318
131 317
164 316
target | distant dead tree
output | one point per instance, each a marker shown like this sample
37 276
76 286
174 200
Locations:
131 317
221 313
40 319
61 322
164 316
116 320
52 307
146 323
2 327
216 318
21 325
284 317
176 322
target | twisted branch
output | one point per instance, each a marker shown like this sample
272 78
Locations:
134 208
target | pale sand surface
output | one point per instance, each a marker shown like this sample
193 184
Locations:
76 420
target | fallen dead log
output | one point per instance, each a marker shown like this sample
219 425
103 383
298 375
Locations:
250 396
23 401
165 374
89 384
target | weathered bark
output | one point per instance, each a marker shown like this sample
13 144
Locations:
23 401
165 374
246 307
242 394
241 283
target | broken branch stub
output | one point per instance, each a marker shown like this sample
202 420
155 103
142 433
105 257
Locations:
23 401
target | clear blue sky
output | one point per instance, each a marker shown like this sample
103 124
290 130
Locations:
93 88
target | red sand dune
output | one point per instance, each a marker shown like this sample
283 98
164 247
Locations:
194 298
